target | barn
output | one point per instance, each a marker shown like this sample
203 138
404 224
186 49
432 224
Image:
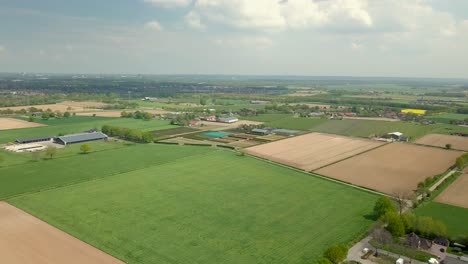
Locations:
80 138
33 140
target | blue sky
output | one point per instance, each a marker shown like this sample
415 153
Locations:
410 38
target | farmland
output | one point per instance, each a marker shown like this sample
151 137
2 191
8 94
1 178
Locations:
456 142
37 176
288 121
366 128
452 216
312 151
12 123
393 167
80 124
215 207
456 194
39 243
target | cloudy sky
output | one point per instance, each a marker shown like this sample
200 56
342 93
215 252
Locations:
409 38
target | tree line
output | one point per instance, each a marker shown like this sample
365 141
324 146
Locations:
129 134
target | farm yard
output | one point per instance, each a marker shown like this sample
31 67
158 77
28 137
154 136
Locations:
312 151
457 193
456 142
214 207
392 168
13 123
38 242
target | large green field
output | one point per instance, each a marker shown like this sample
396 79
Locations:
211 207
455 218
365 128
79 124
68 168
446 118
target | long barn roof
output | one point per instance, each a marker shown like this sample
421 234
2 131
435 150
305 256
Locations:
82 137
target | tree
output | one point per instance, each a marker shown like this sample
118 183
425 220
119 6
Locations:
382 236
336 254
382 206
448 146
85 148
31 119
402 199
45 115
50 152
202 101
66 114
394 224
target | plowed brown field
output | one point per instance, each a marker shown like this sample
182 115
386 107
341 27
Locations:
26 239
63 106
457 193
312 151
460 143
12 123
394 167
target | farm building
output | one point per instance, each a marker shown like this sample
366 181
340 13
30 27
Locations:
209 118
33 140
398 136
285 132
259 131
228 119
79 138
414 111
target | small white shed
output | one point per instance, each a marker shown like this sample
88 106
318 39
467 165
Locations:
400 261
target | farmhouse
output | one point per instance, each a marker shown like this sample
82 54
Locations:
259 131
33 140
285 132
79 138
228 119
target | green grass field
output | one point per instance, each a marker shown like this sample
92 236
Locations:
455 218
79 124
214 207
365 128
445 118
68 169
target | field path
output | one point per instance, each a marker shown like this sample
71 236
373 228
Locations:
26 239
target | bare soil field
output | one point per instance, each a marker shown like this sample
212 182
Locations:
63 106
436 140
13 123
244 143
457 193
271 137
26 239
394 167
312 151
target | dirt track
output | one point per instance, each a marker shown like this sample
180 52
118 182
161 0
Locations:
457 193
394 167
25 239
312 151
460 143
13 123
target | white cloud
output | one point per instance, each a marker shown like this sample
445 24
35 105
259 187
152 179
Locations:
256 42
271 15
169 3
193 20
154 25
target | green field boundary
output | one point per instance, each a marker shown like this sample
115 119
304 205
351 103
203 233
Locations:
51 188
313 174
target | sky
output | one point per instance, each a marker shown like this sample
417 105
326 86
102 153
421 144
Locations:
394 38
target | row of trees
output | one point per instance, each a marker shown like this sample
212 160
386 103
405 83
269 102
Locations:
137 115
399 223
51 114
462 161
129 134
